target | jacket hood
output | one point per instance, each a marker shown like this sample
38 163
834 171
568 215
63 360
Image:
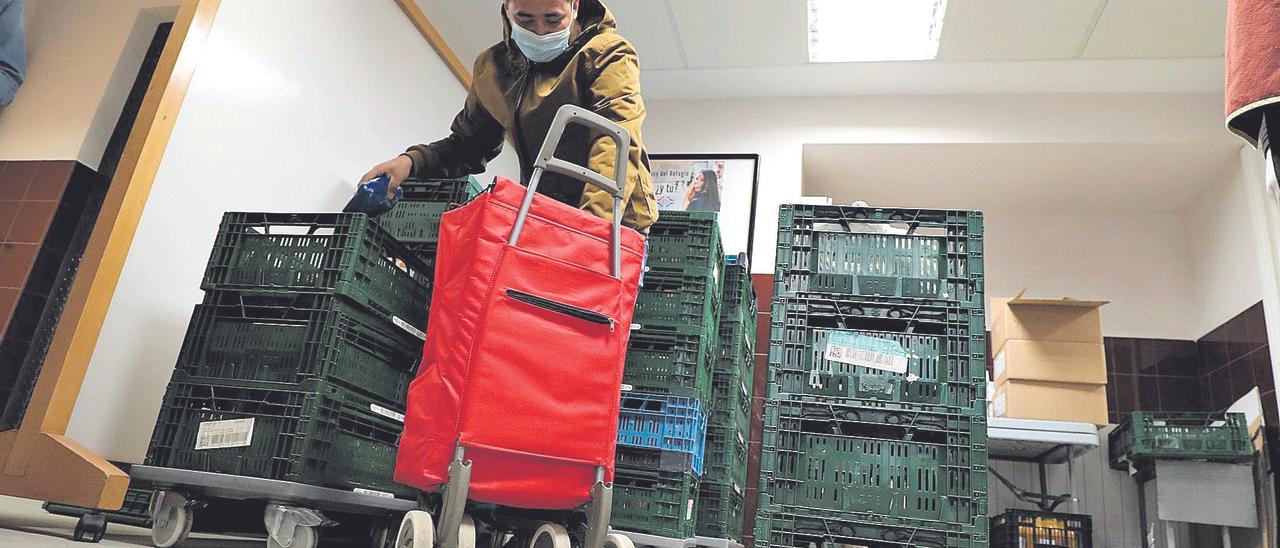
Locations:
593 18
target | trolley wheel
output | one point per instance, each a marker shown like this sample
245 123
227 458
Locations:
467 532
550 535
417 530
303 537
90 528
618 540
172 521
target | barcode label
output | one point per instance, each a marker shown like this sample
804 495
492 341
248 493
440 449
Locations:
399 417
223 434
998 365
382 494
411 329
864 351
999 406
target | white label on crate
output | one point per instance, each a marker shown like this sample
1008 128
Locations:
737 489
997 365
689 513
628 387
636 327
999 405
861 350
223 434
398 417
411 329
382 494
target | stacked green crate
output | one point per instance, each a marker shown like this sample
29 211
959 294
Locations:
296 364
415 221
674 344
673 352
875 425
721 495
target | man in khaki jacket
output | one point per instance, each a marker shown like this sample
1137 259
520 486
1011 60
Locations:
554 53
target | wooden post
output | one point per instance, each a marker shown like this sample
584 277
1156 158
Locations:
37 460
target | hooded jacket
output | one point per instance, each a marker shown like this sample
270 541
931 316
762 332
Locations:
512 96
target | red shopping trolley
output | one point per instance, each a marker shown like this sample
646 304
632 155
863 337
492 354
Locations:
516 403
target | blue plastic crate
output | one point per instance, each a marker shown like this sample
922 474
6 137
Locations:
667 423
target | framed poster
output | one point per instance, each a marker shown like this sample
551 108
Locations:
724 183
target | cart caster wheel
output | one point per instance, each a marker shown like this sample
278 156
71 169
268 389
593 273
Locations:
550 535
467 532
417 530
303 537
618 540
171 522
90 528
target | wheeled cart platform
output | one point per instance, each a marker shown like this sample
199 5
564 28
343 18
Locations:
294 511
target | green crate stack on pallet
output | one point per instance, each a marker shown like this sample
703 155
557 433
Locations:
721 495
295 365
875 421
672 353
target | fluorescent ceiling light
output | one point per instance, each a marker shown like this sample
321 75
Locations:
843 31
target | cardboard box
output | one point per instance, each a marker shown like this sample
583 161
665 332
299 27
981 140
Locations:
1073 362
1053 401
1058 320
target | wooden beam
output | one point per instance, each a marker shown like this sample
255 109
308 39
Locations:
37 461
437 41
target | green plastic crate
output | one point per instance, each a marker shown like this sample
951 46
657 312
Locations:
416 218
731 401
344 253
315 432
854 415
720 510
675 360
293 337
911 253
821 529
136 509
726 455
654 502
945 347
686 240
672 297
1147 435
901 470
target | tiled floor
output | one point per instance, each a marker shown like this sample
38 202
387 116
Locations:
23 524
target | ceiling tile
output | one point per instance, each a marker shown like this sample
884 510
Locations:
647 24
726 33
1139 29
1016 30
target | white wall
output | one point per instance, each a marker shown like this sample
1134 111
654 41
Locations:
1226 274
1132 260
1136 261
291 102
82 58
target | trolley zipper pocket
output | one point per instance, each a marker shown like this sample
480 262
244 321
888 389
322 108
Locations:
561 308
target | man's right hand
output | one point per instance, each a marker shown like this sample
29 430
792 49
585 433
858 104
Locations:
396 169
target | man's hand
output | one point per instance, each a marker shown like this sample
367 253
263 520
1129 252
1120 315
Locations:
396 169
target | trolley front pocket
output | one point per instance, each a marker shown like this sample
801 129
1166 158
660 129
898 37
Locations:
556 306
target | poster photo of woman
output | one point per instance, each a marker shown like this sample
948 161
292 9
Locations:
721 183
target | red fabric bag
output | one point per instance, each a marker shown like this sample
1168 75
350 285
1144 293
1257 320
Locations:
525 346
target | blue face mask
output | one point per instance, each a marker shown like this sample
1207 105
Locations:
541 49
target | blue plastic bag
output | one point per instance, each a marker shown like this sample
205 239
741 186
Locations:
371 198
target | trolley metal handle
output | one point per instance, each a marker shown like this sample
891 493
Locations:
548 162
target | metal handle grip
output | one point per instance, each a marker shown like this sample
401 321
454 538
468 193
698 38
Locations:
548 162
